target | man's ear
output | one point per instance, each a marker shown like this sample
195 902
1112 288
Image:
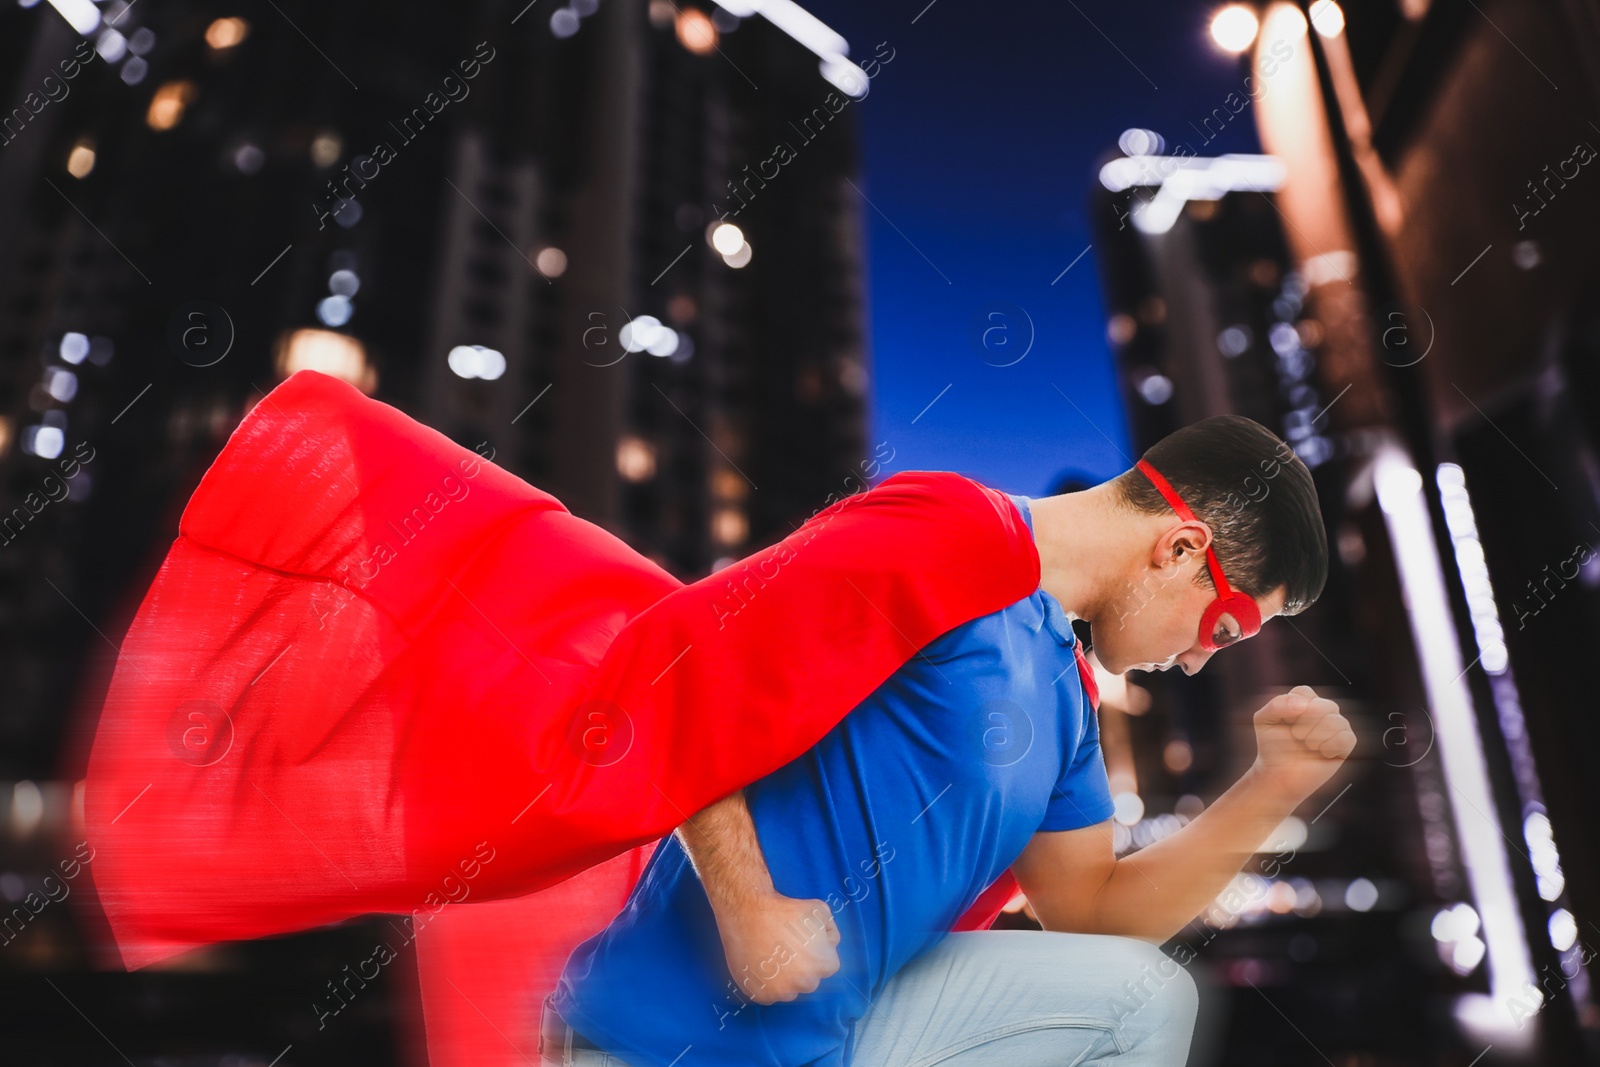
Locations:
1187 540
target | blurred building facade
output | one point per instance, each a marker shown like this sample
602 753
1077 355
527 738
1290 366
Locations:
501 222
1402 289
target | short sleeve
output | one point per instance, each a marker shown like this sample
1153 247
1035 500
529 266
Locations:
1082 796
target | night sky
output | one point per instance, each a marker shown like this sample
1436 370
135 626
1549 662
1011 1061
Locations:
980 139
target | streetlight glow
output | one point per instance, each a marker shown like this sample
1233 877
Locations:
1234 28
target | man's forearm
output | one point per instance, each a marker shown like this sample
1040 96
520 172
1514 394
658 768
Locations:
777 947
722 844
1158 890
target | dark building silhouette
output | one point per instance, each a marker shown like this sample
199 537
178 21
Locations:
471 214
1399 291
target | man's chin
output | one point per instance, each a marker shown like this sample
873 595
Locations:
1115 666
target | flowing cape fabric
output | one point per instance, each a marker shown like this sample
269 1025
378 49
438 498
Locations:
372 658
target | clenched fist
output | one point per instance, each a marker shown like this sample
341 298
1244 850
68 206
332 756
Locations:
1301 739
778 947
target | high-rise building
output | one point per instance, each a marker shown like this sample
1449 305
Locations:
501 219
1388 289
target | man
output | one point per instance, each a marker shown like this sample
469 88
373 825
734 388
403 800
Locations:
816 930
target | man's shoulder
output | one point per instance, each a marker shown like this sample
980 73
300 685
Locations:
949 505
948 488
984 643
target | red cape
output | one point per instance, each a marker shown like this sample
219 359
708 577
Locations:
376 673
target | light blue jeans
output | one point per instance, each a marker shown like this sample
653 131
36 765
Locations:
1021 998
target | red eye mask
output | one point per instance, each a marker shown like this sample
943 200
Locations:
1241 607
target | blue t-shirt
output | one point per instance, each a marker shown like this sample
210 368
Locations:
898 818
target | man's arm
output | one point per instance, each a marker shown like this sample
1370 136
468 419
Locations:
777 947
1076 884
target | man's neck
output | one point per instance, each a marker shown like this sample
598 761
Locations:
1086 540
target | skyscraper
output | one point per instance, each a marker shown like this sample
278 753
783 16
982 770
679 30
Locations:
501 219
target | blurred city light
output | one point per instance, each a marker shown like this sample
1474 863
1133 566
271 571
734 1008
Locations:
739 258
695 31
1181 179
331 353
638 334
1361 895
134 70
1543 856
1280 898
1474 568
1120 328
1285 22
1234 341
847 77
166 106
80 161
1155 388
227 32
1399 490
551 261
830 48
81 15
636 459
74 347
794 20
1128 808
334 310
1563 929
1454 923
729 526
564 22
665 342
1307 901
726 238
1289 836
1234 28
1466 955
249 158
61 384
1140 142
729 484
1327 17
325 148
477 361
1177 755
27 808
111 45
43 441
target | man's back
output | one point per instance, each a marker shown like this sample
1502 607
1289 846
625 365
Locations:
898 819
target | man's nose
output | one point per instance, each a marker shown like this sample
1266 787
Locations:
1192 660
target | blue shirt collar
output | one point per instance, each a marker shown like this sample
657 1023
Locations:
1054 616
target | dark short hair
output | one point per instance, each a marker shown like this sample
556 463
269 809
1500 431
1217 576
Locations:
1244 482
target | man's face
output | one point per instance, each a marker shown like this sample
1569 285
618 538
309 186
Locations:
1156 624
